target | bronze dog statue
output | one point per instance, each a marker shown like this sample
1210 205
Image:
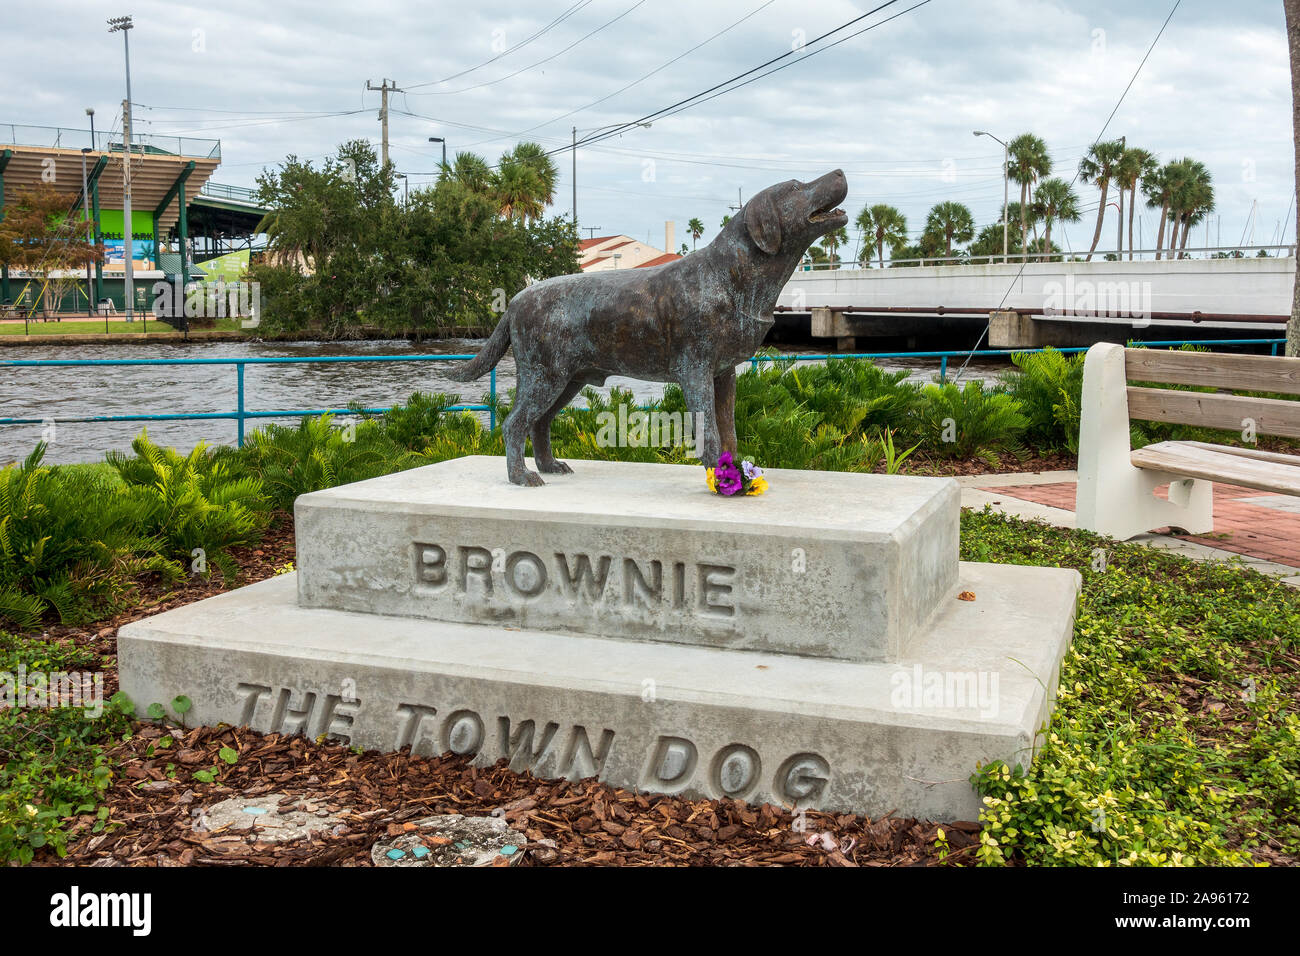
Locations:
691 321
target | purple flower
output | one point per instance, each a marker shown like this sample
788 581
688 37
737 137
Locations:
751 470
725 460
729 484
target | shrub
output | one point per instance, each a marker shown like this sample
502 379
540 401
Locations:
195 501
1049 387
69 541
970 422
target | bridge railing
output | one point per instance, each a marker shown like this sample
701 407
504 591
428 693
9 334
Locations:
242 414
1276 251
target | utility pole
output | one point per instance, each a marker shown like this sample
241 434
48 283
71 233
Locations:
384 88
123 25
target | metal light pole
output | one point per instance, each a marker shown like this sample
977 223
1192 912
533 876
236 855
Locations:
85 205
439 139
591 132
1006 167
123 25
90 111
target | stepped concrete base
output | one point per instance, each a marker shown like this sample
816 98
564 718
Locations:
975 684
824 564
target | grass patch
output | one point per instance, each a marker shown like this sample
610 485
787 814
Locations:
1175 740
53 765
89 326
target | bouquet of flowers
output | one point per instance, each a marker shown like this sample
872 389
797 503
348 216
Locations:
728 479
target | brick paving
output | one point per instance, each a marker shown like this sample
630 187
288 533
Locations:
1246 520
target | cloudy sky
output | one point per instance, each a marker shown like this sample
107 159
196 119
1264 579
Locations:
893 106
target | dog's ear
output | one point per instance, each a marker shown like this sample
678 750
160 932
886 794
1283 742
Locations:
763 223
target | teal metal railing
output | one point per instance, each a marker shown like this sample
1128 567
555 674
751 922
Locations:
242 413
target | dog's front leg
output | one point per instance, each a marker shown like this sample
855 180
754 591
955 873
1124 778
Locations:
724 397
697 386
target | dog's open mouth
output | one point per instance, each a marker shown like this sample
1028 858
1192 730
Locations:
826 214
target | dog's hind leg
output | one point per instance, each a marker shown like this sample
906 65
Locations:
534 395
541 434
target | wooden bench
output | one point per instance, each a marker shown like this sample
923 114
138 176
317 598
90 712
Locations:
1116 492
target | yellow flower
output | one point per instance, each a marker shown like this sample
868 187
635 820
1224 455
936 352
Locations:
758 486
713 482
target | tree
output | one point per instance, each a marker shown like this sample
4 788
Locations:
470 171
988 244
1055 201
885 225
725 220
43 233
696 229
952 221
833 240
1098 166
346 257
1029 162
1134 166
1194 201
1292 8
1159 188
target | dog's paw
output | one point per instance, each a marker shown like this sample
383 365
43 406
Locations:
554 468
529 479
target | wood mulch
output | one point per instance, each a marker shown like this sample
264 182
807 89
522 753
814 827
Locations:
154 801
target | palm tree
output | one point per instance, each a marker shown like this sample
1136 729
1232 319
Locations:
1134 166
516 190
469 170
725 220
1159 188
833 240
696 229
952 220
533 156
885 225
1098 166
1029 163
1194 201
1055 201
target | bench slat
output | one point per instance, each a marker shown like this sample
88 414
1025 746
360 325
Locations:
1241 373
1271 416
1293 460
1198 460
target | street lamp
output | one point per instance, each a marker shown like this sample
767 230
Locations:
439 139
85 205
1006 167
590 132
90 111
123 25
406 192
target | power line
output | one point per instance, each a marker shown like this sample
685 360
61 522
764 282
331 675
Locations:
647 76
518 46
1118 104
725 86
525 69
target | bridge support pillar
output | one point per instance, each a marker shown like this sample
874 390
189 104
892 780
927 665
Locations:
1011 330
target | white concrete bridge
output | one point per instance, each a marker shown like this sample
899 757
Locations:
1048 303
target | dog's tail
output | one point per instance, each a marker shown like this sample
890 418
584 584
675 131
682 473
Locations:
488 355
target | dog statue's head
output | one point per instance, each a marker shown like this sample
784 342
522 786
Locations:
790 216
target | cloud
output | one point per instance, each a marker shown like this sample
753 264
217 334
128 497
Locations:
894 107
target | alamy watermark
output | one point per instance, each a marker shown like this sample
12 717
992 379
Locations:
924 689
46 690
1086 299
210 300
642 429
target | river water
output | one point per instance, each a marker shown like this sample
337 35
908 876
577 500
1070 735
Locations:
76 392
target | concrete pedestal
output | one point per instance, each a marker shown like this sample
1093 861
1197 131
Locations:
857 667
